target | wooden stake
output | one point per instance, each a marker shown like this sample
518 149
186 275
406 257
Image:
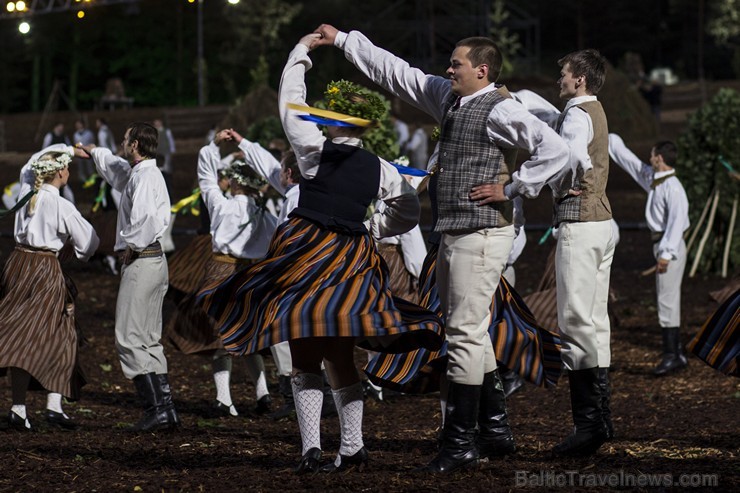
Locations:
705 236
728 243
701 220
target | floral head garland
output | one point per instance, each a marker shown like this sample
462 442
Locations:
48 165
243 175
352 99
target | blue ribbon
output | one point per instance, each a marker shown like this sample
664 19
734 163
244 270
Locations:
326 121
406 170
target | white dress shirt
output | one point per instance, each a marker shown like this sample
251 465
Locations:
55 220
144 210
262 161
238 226
667 207
509 124
402 211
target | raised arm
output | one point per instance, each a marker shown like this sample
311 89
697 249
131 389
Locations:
261 160
115 170
209 159
28 177
640 171
426 92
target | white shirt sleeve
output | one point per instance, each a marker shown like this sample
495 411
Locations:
82 234
426 92
677 207
640 171
305 137
115 170
414 250
402 209
208 162
538 106
511 125
262 161
577 130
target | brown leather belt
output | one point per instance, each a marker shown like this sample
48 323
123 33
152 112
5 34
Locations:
230 259
30 249
151 251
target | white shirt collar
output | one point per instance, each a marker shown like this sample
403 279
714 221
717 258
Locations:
352 141
578 100
661 174
490 87
49 188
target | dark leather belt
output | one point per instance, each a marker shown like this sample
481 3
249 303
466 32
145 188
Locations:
151 251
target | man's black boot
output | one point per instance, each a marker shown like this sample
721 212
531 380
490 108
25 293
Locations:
494 433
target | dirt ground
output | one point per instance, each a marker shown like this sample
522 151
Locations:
670 432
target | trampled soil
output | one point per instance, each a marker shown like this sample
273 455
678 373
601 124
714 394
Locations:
678 430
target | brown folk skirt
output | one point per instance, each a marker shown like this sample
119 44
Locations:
37 324
187 267
191 330
402 282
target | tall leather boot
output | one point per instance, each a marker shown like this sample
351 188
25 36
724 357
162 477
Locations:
157 414
169 406
673 357
585 400
458 450
606 395
286 391
494 434
512 382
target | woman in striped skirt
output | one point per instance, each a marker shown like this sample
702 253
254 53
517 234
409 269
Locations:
323 286
240 231
38 340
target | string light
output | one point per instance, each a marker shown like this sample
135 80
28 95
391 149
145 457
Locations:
80 14
24 27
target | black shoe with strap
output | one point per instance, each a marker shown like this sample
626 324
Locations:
15 422
264 405
494 433
356 461
458 445
585 400
309 463
673 357
59 419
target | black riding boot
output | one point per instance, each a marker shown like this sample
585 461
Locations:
606 395
169 406
458 450
159 412
673 357
512 381
585 400
494 434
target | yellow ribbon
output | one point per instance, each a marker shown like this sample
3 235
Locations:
360 122
9 189
188 201
90 181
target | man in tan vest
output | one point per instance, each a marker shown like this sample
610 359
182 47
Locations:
584 252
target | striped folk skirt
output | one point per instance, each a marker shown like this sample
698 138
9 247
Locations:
718 341
519 343
37 324
187 266
317 283
191 329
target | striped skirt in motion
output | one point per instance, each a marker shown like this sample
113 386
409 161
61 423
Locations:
37 325
187 266
191 329
518 342
317 283
718 341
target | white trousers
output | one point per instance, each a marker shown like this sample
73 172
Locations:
583 262
469 267
668 289
283 361
139 316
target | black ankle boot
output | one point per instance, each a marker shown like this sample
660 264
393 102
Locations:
585 400
357 461
458 449
309 463
286 391
606 395
159 412
673 357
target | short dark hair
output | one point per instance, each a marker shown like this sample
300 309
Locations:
147 136
290 162
483 51
667 150
589 63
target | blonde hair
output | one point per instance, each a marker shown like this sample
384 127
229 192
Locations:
43 177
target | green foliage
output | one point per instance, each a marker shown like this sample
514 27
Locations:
713 131
265 130
506 41
352 99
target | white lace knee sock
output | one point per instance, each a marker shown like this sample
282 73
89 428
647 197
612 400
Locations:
309 396
350 406
19 409
54 402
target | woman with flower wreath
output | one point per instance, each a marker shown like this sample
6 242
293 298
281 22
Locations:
323 287
241 230
38 339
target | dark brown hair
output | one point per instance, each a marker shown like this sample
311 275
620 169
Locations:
588 63
483 51
667 150
290 162
147 136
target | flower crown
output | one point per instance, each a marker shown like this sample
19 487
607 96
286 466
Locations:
48 165
242 174
352 99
